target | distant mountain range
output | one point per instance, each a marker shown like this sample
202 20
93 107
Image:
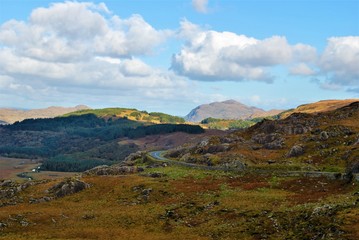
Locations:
229 109
11 115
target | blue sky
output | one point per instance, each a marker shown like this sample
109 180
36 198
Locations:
171 56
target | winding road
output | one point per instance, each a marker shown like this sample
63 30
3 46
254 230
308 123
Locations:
158 155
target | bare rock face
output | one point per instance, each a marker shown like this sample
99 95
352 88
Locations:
67 187
295 151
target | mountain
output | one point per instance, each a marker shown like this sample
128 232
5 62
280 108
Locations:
229 109
318 107
10 115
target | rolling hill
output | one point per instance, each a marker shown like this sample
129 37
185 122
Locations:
130 114
11 115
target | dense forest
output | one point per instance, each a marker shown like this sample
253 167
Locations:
82 141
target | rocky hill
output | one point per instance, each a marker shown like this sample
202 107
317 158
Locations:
317 107
229 109
10 115
317 142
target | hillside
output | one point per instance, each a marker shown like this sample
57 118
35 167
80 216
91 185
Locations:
319 142
317 107
10 115
229 109
144 198
87 138
129 113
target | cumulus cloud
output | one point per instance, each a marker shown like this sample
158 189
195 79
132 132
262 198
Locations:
340 60
301 69
330 86
82 46
75 31
212 56
200 5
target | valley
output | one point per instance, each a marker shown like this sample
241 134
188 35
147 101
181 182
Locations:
158 178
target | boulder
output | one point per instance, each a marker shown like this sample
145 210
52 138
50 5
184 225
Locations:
269 141
323 135
295 151
67 187
276 144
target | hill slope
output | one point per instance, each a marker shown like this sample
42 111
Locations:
129 113
229 109
10 115
327 141
317 107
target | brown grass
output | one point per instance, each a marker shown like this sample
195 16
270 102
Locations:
212 207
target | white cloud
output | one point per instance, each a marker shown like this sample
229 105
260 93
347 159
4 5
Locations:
340 60
200 5
75 49
212 56
301 69
75 31
330 86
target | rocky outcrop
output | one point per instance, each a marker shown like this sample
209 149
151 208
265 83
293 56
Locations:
113 170
295 151
9 191
67 187
297 123
269 141
130 159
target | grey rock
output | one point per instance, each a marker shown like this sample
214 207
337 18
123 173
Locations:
113 170
67 187
323 135
295 151
6 183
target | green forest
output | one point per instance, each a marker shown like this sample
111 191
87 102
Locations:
82 141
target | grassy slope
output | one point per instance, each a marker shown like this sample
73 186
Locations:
190 204
317 107
131 114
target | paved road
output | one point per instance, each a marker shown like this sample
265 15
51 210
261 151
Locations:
158 155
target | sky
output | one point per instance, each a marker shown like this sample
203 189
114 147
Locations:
172 56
